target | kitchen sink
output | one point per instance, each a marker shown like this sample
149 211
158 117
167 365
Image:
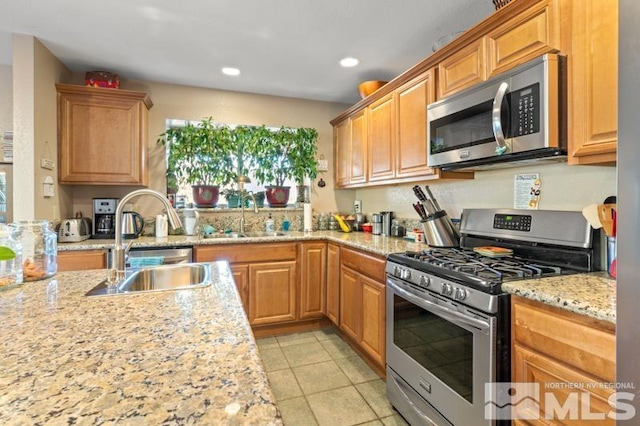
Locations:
259 234
159 278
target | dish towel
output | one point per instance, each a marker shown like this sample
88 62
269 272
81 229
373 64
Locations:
141 262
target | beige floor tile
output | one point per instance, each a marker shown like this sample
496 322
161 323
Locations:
267 343
296 339
338 348
320 377
395 420
356 369
305 353
273 359
373 423
326 334
343 406
284 384
375 393
296 412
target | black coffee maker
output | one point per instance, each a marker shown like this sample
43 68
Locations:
104 218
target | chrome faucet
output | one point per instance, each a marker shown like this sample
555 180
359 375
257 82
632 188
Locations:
255 208
118 272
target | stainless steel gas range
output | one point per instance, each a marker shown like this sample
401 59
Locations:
448 319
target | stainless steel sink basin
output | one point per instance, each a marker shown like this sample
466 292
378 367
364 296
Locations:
259 234
159 278
263 234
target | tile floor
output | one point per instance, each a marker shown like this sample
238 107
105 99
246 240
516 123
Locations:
319 380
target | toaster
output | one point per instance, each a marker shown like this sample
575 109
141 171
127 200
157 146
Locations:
74 230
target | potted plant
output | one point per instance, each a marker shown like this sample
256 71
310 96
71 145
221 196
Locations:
283 154
200 155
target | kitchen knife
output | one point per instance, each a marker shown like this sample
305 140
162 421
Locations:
432 198
419 208
419 193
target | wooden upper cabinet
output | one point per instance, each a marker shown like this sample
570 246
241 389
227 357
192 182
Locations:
411 144
102 136
382 138
462 69
342 152
528 35
593 128
358 160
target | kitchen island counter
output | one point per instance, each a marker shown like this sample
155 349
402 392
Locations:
172 357
590 294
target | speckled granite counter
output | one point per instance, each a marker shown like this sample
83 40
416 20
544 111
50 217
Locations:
378 244
174 357
592 294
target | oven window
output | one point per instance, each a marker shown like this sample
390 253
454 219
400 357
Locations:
440 346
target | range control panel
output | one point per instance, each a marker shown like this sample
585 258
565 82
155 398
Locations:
512 222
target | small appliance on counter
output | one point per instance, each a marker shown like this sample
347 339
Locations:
74 230
132 225
104 218
387 218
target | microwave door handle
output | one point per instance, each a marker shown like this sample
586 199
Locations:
496 122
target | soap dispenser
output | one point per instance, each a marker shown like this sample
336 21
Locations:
269 224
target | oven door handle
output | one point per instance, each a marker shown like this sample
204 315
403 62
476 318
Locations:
445 313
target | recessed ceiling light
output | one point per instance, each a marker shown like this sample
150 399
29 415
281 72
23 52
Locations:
349 62
230 71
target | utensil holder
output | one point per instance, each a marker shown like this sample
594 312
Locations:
439 230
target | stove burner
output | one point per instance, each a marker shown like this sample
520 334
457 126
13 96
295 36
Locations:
493 270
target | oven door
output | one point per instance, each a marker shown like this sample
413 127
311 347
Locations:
442 350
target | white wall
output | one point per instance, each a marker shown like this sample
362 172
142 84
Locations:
564 187
6 99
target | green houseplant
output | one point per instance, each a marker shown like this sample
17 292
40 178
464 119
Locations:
200 155
283 154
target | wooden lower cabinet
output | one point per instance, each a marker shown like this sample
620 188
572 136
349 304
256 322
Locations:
82 259
241 277
572 359
362 302
272 292
313 279
333 283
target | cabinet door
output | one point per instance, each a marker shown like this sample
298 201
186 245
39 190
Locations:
333 283
411 145
313 275
81 260
102 136
272 292
462 69
530 34
241 277
358 159
373 319
342 152
382 138
593 127
350 303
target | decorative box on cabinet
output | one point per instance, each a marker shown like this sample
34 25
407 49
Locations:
102 136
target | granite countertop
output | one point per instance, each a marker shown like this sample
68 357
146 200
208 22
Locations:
172 357
592 294
377 244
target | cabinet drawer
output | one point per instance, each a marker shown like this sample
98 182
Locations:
366 264
81 260
568 337
246 253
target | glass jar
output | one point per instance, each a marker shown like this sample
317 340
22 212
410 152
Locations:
333 225
323 222
10 260
39 248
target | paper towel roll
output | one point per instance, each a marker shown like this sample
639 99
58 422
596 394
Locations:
308 218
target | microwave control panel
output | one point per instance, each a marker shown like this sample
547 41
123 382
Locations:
525 110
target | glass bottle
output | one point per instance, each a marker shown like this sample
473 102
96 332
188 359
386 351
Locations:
10 260
39 248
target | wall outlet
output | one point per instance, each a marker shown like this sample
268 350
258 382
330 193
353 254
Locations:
357 206
323 165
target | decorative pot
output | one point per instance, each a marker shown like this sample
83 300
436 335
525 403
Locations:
277 196
259 199
233 201
205 195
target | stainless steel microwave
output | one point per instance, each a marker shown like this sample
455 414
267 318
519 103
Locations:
517 116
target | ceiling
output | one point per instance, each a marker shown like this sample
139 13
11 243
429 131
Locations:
282 47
